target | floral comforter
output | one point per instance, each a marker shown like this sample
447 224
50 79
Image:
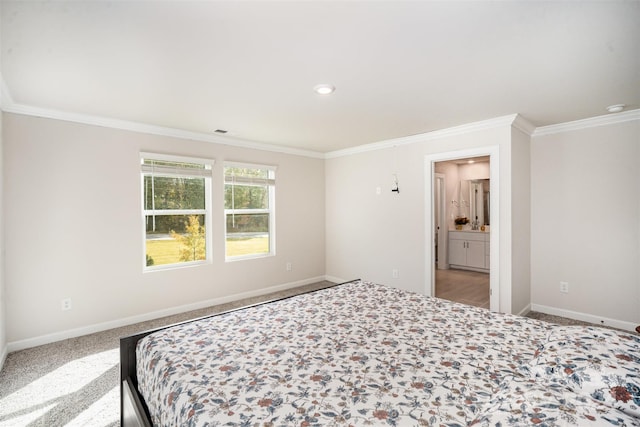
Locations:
367 354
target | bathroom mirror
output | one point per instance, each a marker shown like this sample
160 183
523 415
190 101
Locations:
478 197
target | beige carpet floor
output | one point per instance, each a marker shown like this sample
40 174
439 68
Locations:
75 382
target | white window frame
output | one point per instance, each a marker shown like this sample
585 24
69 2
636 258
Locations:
271 210
207 173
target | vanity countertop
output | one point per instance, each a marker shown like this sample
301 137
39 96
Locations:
470 230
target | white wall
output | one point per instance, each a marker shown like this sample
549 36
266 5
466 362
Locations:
369 235
477 170
73 229
3 327
67 185
585 225
521 221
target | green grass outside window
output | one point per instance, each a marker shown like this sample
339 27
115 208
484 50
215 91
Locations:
167 251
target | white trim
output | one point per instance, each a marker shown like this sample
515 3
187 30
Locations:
523 124
7 105
99 327
336 280
607 119
429 170
443 233
176 170
247 211
5 97
174 266
428 136
524 311
171 172
3 356
207 212
585 317
206 162
248 165
26 110
185 212
249 180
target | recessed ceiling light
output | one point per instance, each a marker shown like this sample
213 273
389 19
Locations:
324 89
615 108
471 161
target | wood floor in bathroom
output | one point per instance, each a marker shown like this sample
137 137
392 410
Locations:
467 287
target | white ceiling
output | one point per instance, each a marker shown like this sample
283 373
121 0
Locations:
400 68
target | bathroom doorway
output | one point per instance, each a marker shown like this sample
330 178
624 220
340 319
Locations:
460 214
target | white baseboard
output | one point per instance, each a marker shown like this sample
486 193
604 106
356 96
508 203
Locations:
525 310
99 327
3 356
597 320
336 279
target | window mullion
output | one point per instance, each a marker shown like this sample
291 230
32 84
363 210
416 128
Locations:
245 211
159 212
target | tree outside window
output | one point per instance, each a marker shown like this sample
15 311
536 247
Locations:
176 202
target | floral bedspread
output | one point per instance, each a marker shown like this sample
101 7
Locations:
367 354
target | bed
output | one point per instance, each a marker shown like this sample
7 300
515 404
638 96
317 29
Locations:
361 353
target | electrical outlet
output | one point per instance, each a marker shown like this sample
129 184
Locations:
289 266
65 304
564 287
394 273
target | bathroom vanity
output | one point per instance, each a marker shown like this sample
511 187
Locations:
469 250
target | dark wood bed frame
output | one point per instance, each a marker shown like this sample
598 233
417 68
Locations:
133 409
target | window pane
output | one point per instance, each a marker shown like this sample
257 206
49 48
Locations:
247 234
181 165
249 172
172 239
173 192
246 196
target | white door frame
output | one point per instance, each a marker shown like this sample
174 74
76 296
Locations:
429 170
440 187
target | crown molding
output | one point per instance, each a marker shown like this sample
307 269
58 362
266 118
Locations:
428 136
7 105
607 119
524 125
155 130
516 120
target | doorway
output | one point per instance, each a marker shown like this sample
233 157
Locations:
463 189
462 274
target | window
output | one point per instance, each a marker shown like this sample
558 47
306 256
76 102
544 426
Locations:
176 200
249 195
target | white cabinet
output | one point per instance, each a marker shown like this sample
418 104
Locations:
469 250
